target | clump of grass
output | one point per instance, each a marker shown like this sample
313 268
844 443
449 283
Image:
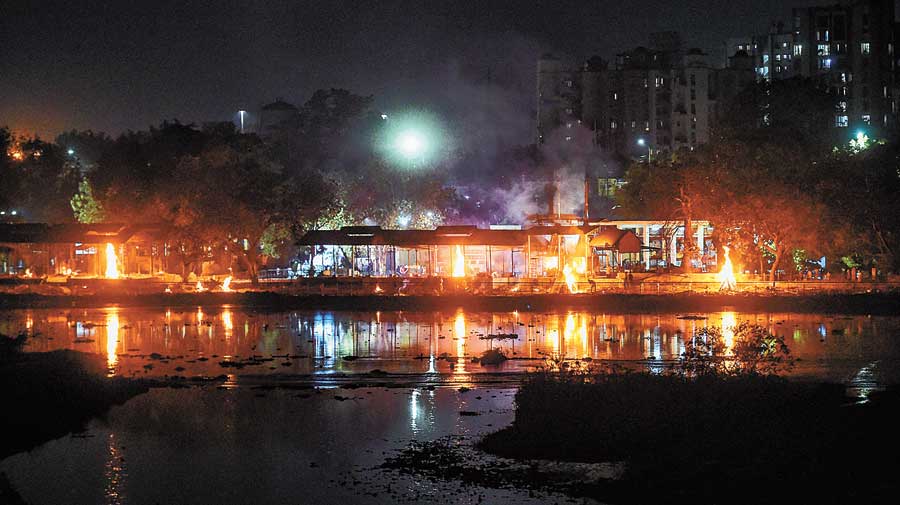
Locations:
493 357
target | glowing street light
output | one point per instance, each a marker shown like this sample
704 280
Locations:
242 113
411 139
643 143
860 142
411 144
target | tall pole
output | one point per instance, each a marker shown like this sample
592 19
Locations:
587 191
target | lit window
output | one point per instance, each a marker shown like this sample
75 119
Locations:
824 49
867 118
865 48
613 125
569 83
645 82
841 121
885 91
615 96
798 50
765 59
842 106
568 138
646 126
633 124
784 44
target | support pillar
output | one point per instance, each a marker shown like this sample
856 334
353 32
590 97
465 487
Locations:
647 246
673 247
701 242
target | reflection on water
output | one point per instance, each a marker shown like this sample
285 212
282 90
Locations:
196 340
114 473
202 446
112 339
729 321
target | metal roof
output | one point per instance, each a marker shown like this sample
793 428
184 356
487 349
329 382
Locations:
22 233
442 235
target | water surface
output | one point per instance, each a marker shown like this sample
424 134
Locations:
196 341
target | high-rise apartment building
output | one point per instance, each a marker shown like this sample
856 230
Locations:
652 99
848 48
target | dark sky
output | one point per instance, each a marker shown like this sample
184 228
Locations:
126 64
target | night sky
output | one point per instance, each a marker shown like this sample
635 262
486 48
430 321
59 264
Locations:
118 65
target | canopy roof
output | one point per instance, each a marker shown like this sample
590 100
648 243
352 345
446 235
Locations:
42 233
610 237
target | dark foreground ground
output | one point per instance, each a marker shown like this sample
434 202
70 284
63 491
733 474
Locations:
867 303
713 440
46 395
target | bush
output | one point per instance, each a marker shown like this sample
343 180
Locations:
755 351
493 357
11 346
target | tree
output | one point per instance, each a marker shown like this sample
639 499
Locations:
87 208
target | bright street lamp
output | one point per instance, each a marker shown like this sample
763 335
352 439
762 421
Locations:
411 139
643 143
242 113
411 144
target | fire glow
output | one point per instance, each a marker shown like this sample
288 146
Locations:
571 282
112 269
226 285
726 275
459 263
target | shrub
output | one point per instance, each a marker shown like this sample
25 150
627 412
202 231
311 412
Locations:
11 346
754 351
493 357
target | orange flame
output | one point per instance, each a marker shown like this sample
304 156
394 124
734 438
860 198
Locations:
200 287
580 265
459 263
112 269
551 263
571 282
378 289
726 275
226 284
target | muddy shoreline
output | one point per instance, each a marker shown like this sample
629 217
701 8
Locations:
866 303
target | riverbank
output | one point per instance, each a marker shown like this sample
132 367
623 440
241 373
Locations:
747 439
864 303
47 395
